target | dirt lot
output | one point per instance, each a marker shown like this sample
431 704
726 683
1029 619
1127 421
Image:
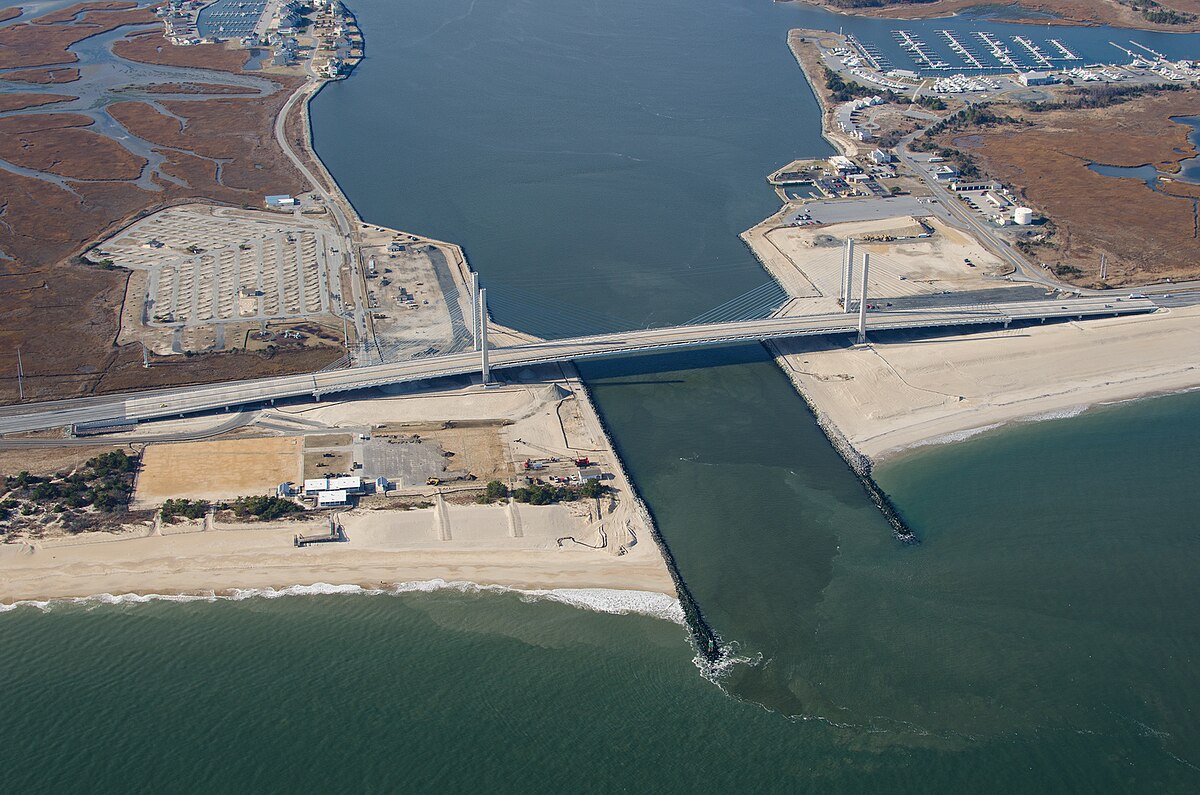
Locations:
64 315
1145 234
220 470
1093 12
471 446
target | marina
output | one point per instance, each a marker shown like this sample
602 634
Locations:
1064 51
1035 52
229 19
1155 53
964 52
998 49
869 53
919 50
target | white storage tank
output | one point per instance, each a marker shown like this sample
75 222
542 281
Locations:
1023 216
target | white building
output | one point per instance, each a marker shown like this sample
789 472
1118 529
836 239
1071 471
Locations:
882 157
1037 78
332 499
1023 216
345 483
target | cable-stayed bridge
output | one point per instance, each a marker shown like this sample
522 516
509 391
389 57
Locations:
189 400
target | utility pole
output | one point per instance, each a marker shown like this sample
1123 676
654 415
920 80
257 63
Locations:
483 340
862 301
847 274
475 310
20 377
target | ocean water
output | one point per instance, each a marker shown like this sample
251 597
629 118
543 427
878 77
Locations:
601 158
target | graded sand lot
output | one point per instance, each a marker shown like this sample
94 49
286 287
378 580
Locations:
807 261
220 470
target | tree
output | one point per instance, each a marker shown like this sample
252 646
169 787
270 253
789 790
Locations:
495 490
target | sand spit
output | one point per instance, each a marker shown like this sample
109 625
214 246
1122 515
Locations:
897 394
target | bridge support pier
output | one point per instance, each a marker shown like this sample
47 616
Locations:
862 301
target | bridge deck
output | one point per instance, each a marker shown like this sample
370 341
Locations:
189 400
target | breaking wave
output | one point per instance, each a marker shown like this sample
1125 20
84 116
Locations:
599 600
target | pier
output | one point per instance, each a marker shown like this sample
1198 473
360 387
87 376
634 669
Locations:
916 48
869 53
997 49
1130 53
1155 53
963 51
1064 54
1035 52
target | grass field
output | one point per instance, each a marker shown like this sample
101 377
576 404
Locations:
219 470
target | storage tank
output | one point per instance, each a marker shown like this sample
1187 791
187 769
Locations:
1023 216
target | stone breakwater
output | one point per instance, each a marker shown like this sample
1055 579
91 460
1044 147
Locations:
704 638
859 463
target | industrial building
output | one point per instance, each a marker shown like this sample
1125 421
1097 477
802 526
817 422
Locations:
281 200
1037 78
348 483
970 187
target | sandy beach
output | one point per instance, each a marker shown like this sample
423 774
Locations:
386 548
891 396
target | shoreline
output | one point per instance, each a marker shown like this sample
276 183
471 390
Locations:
906 13
879 401
616 601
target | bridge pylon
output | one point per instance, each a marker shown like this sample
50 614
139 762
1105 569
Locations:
862 300
847 274
483 340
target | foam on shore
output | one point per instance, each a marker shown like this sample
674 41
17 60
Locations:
599 600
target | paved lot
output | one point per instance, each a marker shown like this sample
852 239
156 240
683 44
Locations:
873 209
207 266
405 462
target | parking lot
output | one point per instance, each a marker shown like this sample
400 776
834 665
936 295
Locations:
208 265
865 209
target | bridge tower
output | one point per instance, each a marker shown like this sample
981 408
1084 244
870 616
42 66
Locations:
847 273
481 309
862 300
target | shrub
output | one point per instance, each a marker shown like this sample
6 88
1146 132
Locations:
265 508
188 509
495 490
